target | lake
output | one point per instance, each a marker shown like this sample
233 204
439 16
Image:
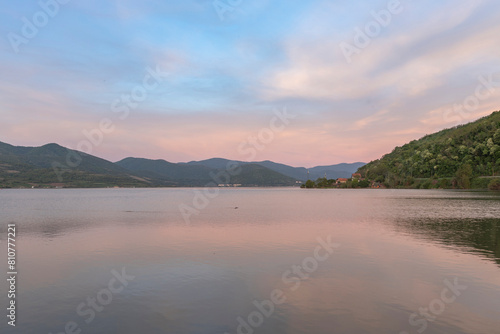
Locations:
277 260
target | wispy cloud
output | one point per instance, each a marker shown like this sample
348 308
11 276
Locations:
364 122
226 76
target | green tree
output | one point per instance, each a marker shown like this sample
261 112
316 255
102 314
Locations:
310 184
463 176
364 184
494 184
496 137
322 182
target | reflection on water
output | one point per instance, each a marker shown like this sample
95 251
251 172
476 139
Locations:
397 249
467 235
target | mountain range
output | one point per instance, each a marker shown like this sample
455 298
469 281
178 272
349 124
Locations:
53 165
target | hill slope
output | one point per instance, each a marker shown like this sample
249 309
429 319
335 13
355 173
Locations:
34 166
201 174
335 171
443 154
254 174
167 173
297 173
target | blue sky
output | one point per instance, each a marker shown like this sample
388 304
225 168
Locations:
227 76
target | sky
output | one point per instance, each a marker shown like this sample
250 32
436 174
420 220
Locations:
304 83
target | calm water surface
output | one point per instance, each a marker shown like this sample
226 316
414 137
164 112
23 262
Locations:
403 261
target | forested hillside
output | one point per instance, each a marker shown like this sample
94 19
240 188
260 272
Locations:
47 166
466 151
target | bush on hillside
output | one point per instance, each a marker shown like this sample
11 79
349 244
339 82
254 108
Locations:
494 184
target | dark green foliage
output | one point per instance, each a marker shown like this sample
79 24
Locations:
323 183
494 184
442 155
364 184
463 176
309 184
426 185
496 137
480 182
320 183
444 184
